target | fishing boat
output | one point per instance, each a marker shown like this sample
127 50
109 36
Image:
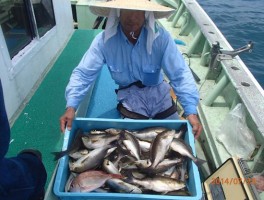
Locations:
38 56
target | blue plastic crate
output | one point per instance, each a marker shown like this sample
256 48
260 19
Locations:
193 183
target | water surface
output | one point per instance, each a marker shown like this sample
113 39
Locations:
241 21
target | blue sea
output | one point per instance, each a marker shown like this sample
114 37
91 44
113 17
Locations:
241 21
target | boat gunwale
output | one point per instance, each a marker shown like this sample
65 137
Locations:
253 89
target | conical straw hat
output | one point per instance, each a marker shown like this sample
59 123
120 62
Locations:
102 8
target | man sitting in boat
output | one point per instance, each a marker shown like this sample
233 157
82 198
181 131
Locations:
136 51
23 176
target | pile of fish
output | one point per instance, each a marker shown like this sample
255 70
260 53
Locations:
151 160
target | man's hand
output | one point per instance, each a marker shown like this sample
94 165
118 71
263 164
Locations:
67 118
196 125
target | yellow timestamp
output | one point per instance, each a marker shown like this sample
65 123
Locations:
234 181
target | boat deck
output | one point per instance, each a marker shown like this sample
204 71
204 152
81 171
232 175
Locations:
37 125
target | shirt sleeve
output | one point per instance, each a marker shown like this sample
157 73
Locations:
180 76
4 126
84 75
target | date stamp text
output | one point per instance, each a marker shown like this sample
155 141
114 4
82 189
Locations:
233 181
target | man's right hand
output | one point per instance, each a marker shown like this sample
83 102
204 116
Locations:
67 118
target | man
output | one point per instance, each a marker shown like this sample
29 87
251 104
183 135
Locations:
22 177
137 52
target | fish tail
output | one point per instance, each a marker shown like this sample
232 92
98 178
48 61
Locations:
58 155
183 128
199 162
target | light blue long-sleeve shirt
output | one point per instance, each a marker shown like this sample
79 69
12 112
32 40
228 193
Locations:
128 63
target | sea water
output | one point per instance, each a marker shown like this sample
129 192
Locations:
241 21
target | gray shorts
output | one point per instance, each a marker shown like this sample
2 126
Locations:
147 101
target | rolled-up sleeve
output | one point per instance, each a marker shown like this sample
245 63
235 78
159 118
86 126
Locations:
180 76
85 73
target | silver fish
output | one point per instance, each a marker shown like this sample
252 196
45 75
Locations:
160 146
89 161
165 165
99 140
90 180
113 131
169 172
122 187
148 134
109 167
78 154
110 151
158 183
96 132
142 164
134 151
144 145
132 145
184 149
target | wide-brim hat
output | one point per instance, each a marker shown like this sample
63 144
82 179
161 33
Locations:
102 8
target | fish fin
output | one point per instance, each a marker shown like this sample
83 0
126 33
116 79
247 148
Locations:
128 180
128 176
180 133
122 135
120 148
164 193
114 143
59 154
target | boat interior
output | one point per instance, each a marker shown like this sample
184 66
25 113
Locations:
222 79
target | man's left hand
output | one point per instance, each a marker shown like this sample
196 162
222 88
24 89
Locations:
196 125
